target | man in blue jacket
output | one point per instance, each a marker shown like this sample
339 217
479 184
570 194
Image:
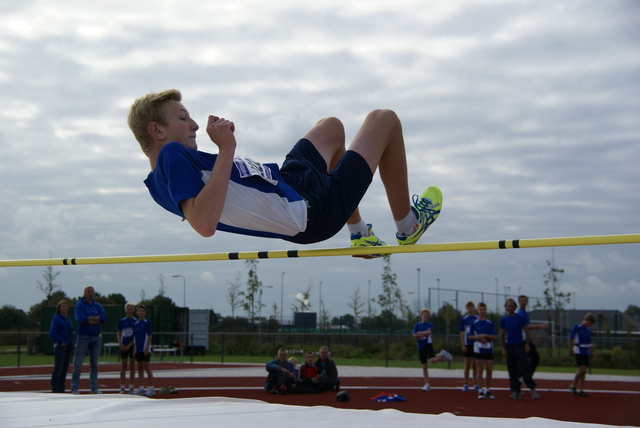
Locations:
280 379
89 316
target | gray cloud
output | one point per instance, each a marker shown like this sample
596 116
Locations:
525 113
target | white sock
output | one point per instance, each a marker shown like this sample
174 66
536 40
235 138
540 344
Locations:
407 225
359 227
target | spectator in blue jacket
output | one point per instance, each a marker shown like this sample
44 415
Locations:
515 340
61 334
280 379
89 316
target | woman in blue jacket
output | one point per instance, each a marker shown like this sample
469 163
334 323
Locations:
61 333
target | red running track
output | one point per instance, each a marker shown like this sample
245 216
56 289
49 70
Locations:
609 402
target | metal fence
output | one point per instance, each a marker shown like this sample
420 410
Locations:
617 351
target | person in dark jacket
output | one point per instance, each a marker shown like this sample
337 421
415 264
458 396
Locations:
61 334
327 378
89 316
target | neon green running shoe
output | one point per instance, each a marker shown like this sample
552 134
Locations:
427 208
358 240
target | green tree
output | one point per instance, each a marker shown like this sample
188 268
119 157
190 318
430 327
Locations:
633 311
390 300
448 316
302 302
554 299
252 296
162 288
48 287
12 318
408 315
274 313
234 295
162 301
357 305
34 316
103 300
117 299
347 320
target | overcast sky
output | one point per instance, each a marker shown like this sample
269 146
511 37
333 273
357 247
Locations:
525 113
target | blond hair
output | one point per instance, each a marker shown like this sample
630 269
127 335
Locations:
60 303
150 108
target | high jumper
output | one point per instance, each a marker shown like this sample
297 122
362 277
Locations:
308 199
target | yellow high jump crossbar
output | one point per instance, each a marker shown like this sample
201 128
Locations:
633 238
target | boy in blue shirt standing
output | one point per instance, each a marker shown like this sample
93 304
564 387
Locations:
466 322
581 347
483 334
422 332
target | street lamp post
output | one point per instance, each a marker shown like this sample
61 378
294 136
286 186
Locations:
369 300
419 300
184 288
281 299
320 305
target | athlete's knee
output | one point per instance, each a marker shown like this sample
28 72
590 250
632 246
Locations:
334 126
384 115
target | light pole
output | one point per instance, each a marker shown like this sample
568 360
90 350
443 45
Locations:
281 299
320 303
184 288
419 301
507 291
369 300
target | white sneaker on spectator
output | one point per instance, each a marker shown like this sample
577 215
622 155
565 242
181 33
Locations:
447 356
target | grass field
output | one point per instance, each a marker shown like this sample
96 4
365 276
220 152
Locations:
11 360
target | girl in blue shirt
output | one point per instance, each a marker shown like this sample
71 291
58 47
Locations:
61 334
142 334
